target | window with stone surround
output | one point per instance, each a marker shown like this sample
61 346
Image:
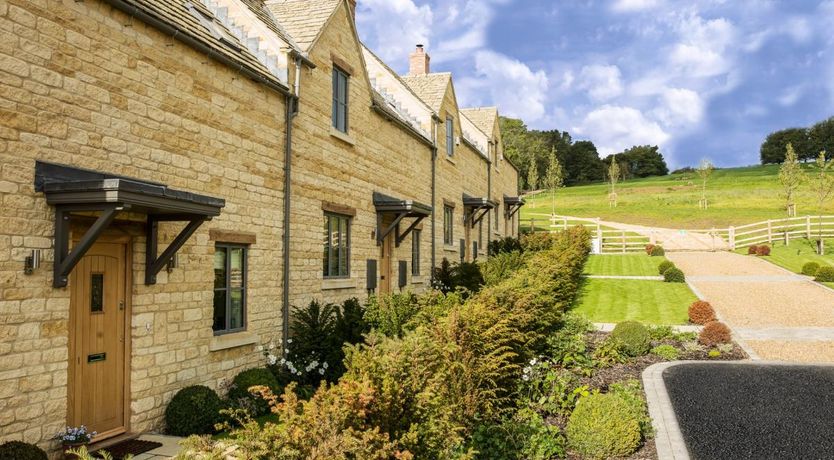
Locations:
340 99
229 288
450 136
448 225
336 246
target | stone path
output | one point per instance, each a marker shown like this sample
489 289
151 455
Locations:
624 277
774 314
169 448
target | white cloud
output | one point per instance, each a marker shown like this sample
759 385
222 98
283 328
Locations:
383 19
790 96
615 128
625 6
601 82
506 82
697 62
679 108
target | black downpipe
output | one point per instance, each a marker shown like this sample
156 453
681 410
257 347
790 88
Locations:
292 111
433 196
489 194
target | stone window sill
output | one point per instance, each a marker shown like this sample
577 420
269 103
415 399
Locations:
418 280
333 284
450 160
237 339
448 248
344 137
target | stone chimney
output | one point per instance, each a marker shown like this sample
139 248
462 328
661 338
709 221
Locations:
352 7
418 62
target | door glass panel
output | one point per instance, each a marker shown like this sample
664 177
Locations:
220 268
97 292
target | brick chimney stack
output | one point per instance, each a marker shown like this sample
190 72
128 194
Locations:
418 62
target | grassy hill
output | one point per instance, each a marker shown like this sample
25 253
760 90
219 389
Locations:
737 196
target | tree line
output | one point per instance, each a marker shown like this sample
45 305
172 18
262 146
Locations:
807 142
532 152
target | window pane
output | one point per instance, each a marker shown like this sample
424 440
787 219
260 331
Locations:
97 292
343 246
219 310
220 267
333 262
236 268
326 243
236 309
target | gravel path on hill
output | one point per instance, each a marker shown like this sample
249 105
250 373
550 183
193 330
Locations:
779 315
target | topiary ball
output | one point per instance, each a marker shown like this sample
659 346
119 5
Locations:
763 250
665 265
19 450
701 312
810 269
753 250
825 275
193 410
715 333
239 392
603 426
634 338
674 275
658 251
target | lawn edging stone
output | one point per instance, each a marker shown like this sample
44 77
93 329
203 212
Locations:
668 438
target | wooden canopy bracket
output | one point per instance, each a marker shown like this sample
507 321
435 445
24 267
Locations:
401 236
66 261
154 264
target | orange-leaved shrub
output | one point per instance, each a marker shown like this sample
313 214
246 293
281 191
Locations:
649 249
753 250
701 312
715 333
763 250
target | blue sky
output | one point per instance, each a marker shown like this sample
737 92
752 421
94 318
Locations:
702 79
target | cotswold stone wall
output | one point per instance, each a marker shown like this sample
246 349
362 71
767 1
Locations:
84 85
345 170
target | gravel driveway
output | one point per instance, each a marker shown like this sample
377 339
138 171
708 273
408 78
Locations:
779 315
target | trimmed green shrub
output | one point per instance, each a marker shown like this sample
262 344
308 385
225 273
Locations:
634 338
667 352
193 410
810 269
501 266
19 450
538 241
715 333
674 275
239 391
825 275
603 426
632 393
665 265
658 251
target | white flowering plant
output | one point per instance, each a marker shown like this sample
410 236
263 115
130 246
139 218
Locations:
75 435
548 388
289 366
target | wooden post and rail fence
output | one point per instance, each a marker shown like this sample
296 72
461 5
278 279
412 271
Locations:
613 240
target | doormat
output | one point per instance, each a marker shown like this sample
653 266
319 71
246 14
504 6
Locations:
130 447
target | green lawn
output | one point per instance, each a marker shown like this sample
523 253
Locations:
651 302
623 265
737 196
798 253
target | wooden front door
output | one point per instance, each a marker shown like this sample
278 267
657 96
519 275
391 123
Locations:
385 258
97 340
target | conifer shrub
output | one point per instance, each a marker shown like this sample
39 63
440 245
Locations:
753 250
674 275
665 265
193 410
634 338
825 275
603 426
240 396
810 269
501 266
658 251
701 312
19 450
715 333
763 250
504 245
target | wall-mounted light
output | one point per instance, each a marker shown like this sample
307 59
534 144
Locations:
173 263
32 262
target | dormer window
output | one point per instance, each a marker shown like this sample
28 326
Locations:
214 27
340 99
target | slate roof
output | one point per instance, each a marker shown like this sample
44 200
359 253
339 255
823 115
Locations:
303 19
259 8
430 87
482 117
177 14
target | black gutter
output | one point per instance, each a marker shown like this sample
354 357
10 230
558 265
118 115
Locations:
184 36
410 129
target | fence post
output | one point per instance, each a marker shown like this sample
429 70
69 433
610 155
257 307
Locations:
808 227
769 232
624 242
532 225
732 237
564 223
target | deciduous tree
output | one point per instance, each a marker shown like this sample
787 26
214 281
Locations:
823 186
775 145
554 178
705 169
613 178
791 177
